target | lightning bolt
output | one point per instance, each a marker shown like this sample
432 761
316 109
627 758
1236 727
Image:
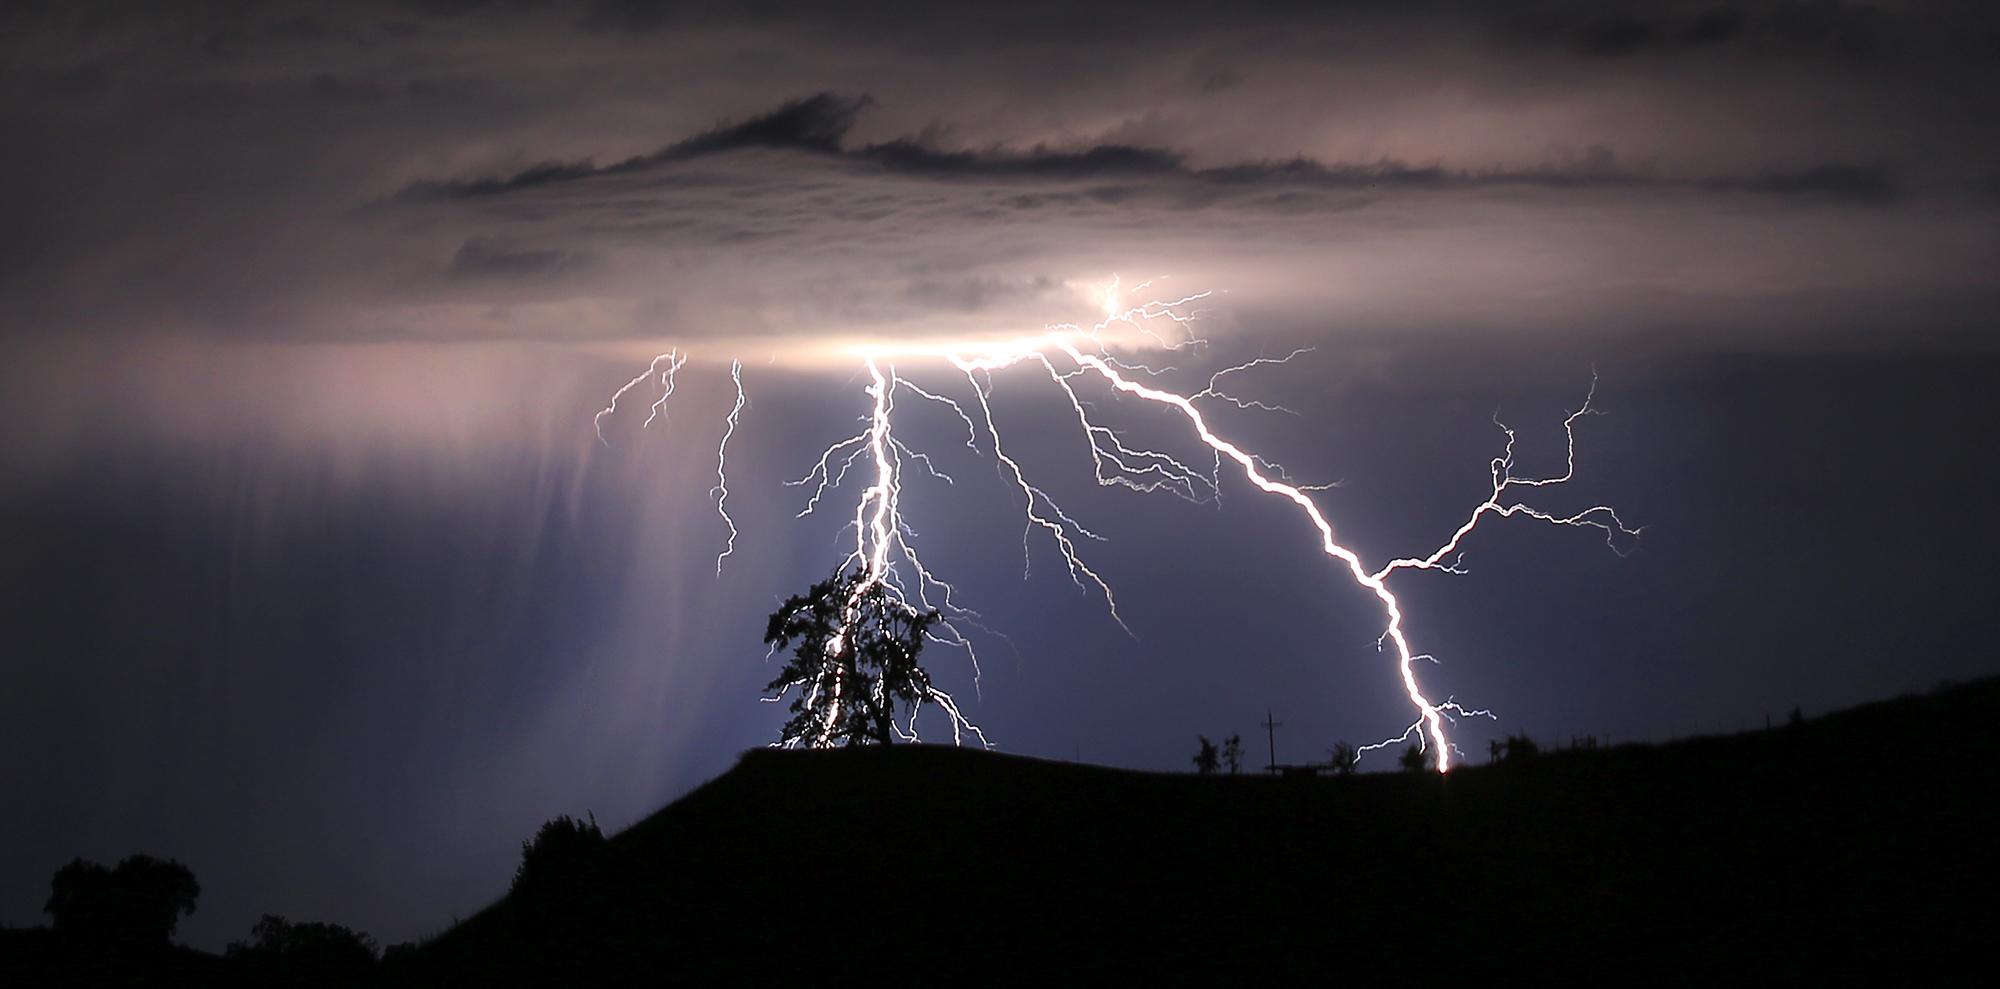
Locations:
666 392
673 359
721 490
1431 715
885 554
881 539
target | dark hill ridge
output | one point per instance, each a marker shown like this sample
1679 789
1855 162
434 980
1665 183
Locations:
1853 843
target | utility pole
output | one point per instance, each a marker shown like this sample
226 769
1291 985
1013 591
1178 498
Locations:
1271 727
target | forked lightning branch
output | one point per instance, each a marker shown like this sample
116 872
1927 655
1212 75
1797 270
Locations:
884 551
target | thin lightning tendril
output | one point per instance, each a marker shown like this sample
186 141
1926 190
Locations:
674 360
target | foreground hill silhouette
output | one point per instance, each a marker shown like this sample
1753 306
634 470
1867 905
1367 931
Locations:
1849 844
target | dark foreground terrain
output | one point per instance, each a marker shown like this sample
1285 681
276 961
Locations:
1847 848
1848 844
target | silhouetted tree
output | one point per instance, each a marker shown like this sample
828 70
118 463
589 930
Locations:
1343 757
1415 759
856 658
1519 747
1494 749
565 853
1232 753
135 906
280 952
1205 759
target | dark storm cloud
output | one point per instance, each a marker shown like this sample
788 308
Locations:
485 257
908 155
923 22
1860 184
1783 28
814 124
1587 28
1833 181
818 125
977 293
250 135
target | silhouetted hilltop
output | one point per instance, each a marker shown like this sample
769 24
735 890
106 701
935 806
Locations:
1848 844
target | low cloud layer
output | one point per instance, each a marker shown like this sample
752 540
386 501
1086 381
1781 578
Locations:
526 172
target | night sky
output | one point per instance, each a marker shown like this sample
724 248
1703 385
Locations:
315 576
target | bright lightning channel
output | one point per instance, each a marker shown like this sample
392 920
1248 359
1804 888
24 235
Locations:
883 550
673 359
721 490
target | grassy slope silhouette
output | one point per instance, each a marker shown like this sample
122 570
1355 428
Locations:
1850 843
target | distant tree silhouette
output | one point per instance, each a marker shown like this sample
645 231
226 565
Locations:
1415 759
1232 753
1519 747
135 906
565 853
280 952
1343 757
1205 761
856 658
563 893
1495 749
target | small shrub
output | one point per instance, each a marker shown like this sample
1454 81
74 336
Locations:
1519 748
1343 757
566 852
280 952
1206 759
1415 759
